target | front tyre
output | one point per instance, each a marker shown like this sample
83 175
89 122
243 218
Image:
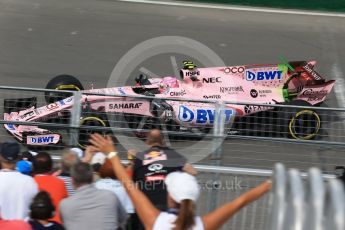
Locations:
62 82
85 133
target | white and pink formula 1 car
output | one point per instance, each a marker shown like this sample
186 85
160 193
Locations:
267 84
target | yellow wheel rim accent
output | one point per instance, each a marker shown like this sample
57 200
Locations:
66 87
310 136
91 119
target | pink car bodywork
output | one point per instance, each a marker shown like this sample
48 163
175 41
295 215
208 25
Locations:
263 84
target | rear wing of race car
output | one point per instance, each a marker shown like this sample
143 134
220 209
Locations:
308 67
316 94
318 88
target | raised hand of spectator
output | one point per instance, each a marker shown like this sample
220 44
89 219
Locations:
188 168
102 144
89 152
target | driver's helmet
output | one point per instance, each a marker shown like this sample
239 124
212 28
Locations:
170 82
142 79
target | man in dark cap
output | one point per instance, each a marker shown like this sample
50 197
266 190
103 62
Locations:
28 156
152 166
16 190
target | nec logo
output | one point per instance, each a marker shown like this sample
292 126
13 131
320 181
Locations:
263 75
211 80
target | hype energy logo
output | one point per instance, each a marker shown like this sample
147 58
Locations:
202 116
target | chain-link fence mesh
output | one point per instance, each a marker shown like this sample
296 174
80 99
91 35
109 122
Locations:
203 131
220 188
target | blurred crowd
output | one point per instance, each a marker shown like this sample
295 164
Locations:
92 189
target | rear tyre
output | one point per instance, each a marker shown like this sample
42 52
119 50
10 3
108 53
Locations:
299 123
62 82
304 125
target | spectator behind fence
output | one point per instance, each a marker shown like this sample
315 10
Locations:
42 168
24 166
153 165
79 152
183 192
28 155
14 224
16 189
68 159
41 210
95 159
96 162
109 182
89 207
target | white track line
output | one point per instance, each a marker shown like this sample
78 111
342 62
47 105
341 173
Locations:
239 8
339 84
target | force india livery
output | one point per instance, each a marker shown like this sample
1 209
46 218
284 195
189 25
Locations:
266 84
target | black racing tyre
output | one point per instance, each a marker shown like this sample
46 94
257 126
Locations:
94 120
62 82
298 123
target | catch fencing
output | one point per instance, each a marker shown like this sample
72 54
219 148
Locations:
297 201
256 141
232 154
220 185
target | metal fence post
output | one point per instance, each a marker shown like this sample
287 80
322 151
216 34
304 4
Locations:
294 215
75 118
335 206
218 132
277 198
315 200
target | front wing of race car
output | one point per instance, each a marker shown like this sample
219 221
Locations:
20 110
24 110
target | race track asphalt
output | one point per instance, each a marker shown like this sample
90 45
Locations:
86 38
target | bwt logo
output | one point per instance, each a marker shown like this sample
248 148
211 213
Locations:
263 75
48 139
201 116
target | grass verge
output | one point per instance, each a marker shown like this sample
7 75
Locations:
319 5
